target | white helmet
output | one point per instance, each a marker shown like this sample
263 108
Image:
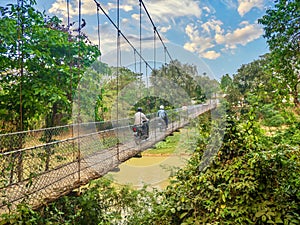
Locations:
161 107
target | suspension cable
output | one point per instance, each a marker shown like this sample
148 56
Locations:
121 33
142 3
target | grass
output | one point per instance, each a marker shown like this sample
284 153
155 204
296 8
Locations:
172 144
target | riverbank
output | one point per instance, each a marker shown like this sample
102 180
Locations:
157 164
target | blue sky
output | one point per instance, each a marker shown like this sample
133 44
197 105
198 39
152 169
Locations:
217 35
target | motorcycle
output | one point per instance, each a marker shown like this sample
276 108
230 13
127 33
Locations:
140 132
161 124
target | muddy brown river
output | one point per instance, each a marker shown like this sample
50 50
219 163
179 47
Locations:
152 170
155 169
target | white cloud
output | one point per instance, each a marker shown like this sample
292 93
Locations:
166 10
212 26
207 9
165 29
205 39
125 20
59 8
240 36
209 35
198 43
88 7
211 54
246 5
135 16
125 7
229 3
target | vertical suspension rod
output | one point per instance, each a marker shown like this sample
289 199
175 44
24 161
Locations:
79 103
140 42
118 63
154 47
20 58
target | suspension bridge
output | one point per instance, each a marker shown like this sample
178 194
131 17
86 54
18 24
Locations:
55 161
39 166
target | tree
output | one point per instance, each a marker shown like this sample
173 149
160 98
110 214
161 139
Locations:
177 75
40 65
226 82
282 31
209 87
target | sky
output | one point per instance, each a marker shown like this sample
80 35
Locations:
218 36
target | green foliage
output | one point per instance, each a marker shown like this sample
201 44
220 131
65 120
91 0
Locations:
173 143
176 77
289 136
100 108
275 121
275 118
226 82
282 32
150 104
125 86
99 203
253 179
250 182
36 56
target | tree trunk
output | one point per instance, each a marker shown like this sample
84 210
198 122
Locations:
48 135
295 95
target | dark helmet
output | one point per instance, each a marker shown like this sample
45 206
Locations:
139 109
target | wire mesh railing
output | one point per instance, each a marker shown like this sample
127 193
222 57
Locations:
38 166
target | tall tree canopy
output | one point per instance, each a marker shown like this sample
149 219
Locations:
186 77
40 65
282 31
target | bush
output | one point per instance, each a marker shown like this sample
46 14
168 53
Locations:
275 121
257 184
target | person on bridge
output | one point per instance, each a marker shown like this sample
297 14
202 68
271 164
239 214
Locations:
141 119
163 115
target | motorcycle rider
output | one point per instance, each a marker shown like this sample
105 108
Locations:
141 119
163 115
